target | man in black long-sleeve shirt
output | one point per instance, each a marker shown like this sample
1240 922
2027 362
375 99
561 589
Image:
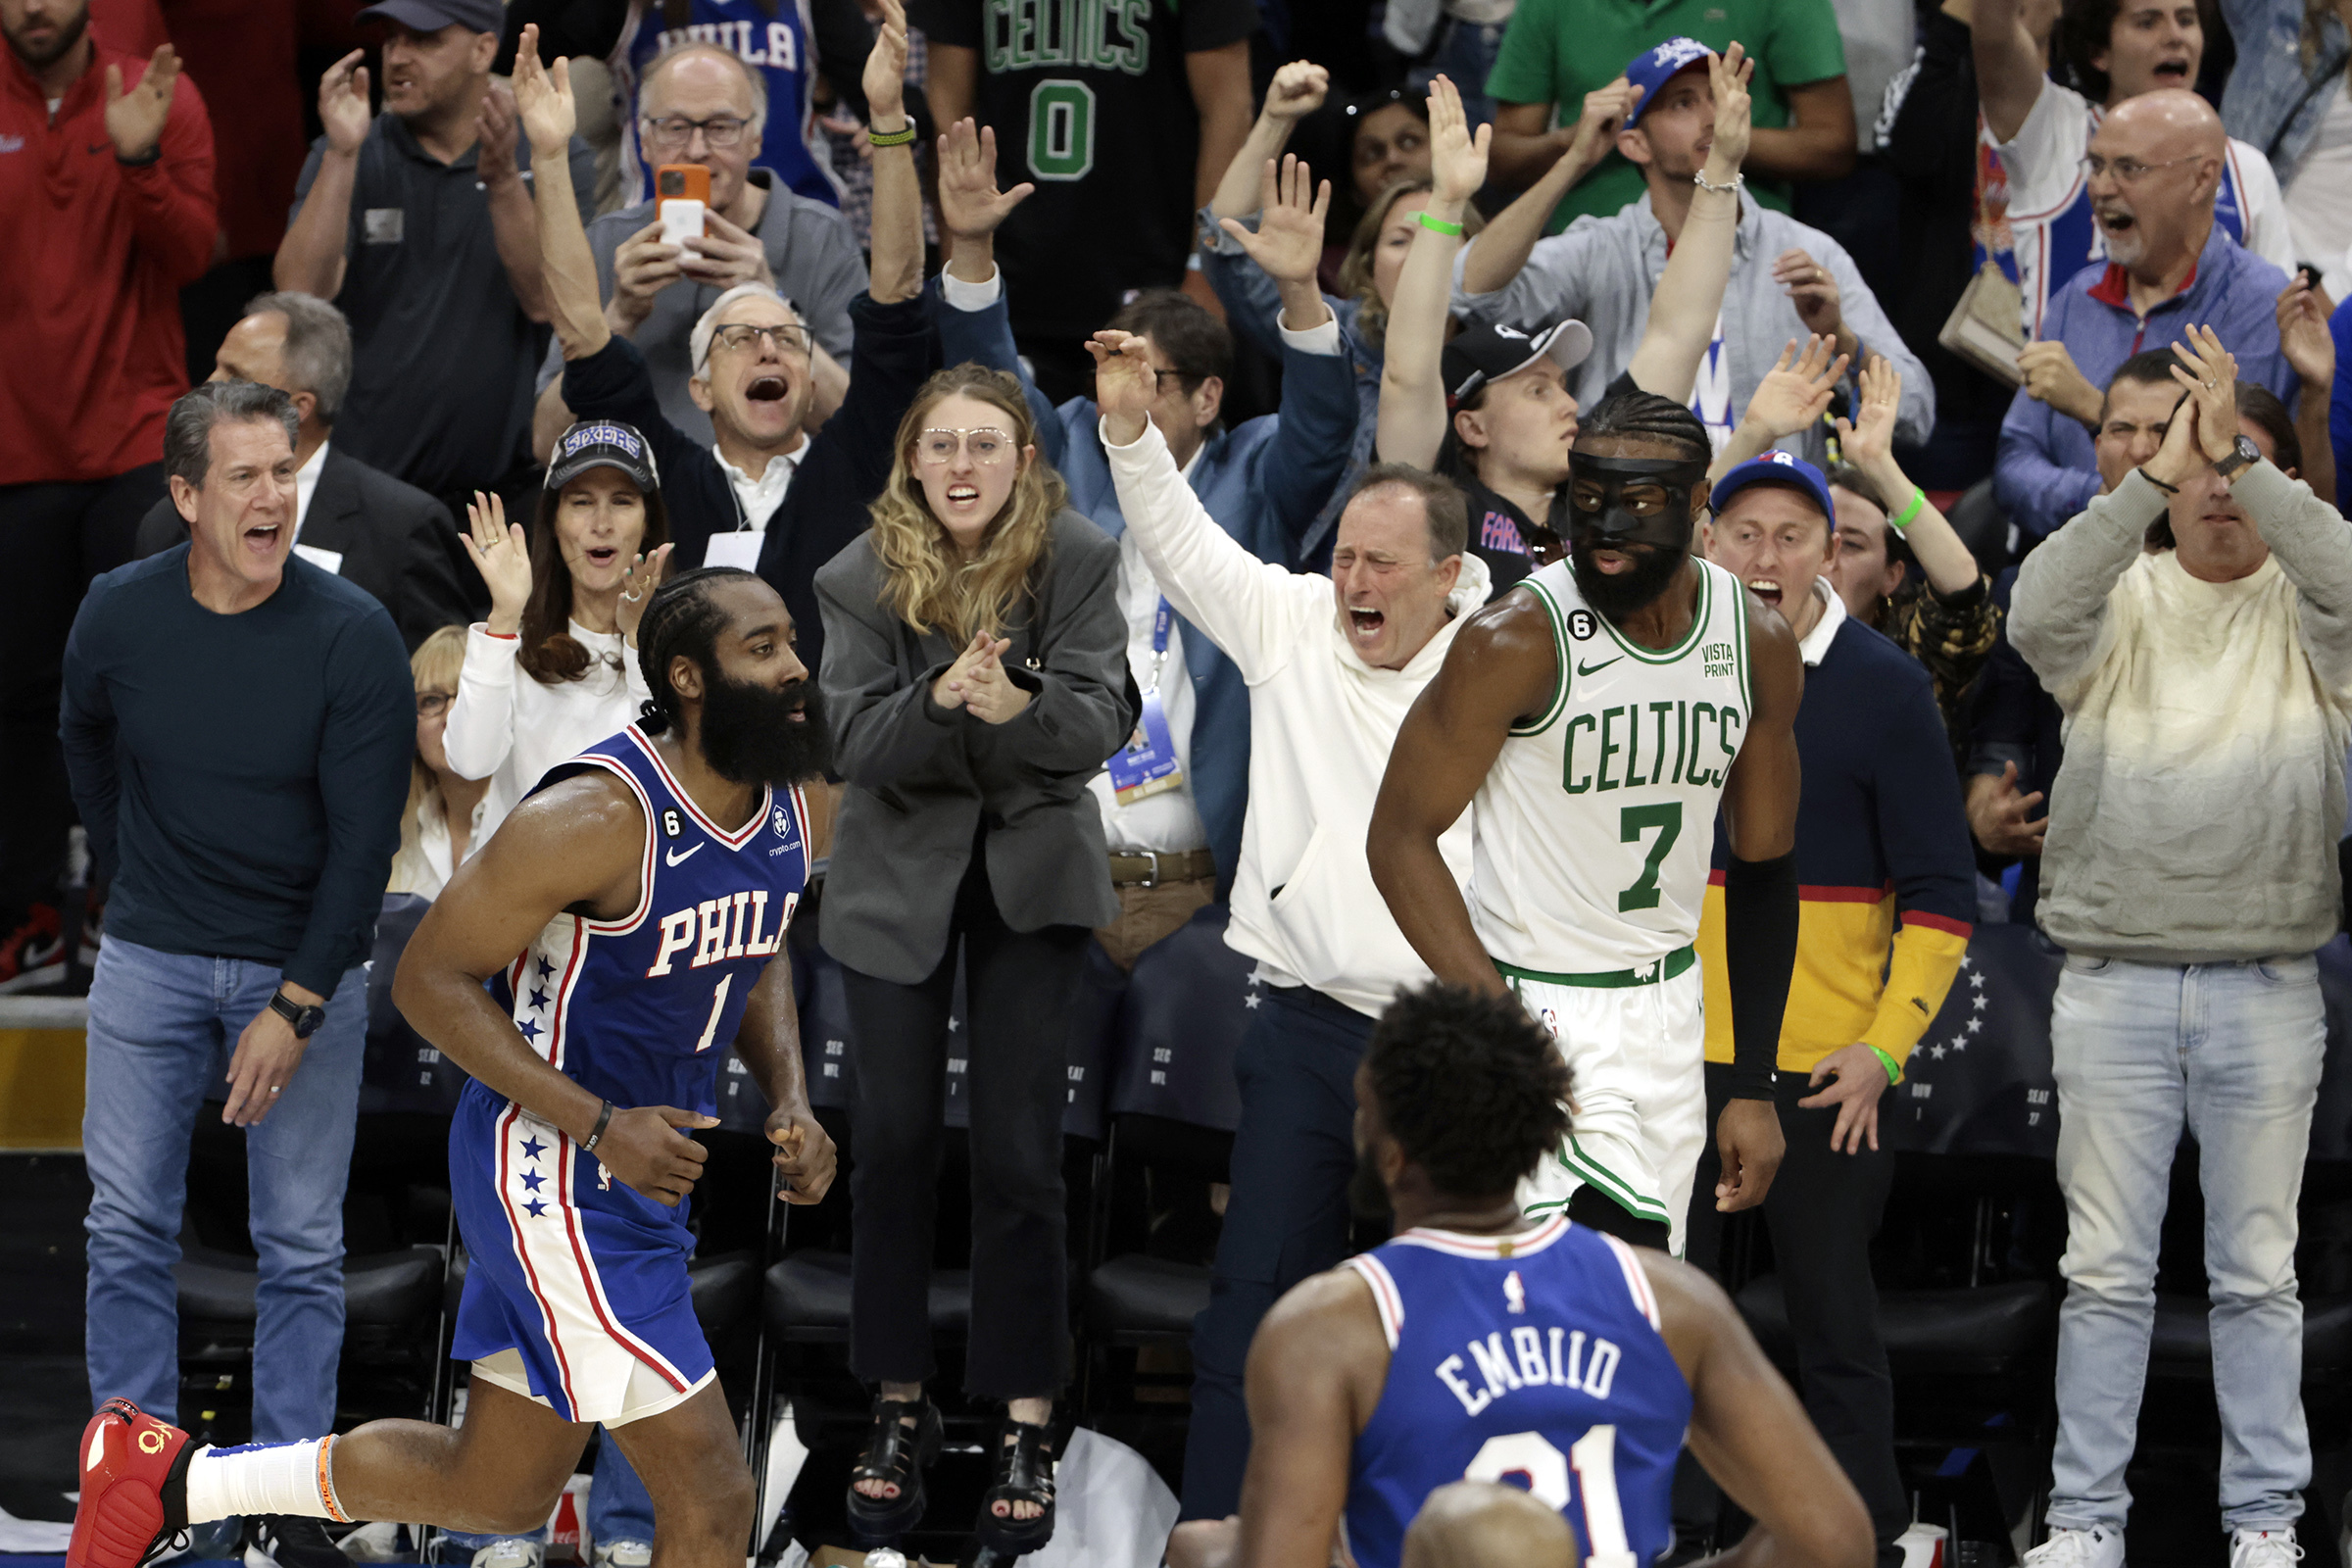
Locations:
237 725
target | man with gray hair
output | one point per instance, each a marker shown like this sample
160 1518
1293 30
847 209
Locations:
237 725
703 103
356 521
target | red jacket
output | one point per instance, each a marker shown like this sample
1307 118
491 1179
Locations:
92 257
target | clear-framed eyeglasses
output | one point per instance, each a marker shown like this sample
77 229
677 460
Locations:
2128 170
987 445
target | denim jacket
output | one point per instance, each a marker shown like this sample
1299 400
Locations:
2270 99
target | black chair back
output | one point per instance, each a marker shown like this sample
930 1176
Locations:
400 1070
1187 1005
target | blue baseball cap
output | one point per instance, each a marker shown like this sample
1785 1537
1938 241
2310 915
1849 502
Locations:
1652 69
1775 467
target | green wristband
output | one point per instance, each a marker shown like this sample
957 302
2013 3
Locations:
1437 225
1919 503
890 138
1894 1068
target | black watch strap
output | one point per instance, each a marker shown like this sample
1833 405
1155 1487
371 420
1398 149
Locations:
2243 456
305 1017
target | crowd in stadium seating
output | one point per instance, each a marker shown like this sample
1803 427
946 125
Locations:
2011 323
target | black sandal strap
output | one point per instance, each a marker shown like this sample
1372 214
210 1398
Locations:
893 1448
1024 1467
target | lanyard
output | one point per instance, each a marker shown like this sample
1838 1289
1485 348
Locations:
1161 618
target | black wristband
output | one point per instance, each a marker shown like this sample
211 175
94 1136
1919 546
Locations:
604 1119
1759 953
151 155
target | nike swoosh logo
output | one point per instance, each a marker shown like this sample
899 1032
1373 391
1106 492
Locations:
674 857
1595 670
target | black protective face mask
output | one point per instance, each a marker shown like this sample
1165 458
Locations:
1641 500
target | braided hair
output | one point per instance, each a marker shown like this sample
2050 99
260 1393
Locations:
1650 416
680 620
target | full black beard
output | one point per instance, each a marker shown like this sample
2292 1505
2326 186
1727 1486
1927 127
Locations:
1618 597
748 735
66 37
1367 1195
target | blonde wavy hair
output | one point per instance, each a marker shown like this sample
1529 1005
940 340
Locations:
434 667
929 585
1355 270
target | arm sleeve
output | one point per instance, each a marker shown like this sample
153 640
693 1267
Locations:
975 325
481 721
1760 911
1552 284
1316 437
1953 637
2314 546
2058 616
1924 828
2038 492
86 731
1937 126
1214 23
1805 45
172 210
882 729
1242 604
1078 713
1524 62
890 357
363 752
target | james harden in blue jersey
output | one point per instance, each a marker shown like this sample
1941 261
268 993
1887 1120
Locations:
630 915
1483 1346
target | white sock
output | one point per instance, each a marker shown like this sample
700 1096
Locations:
258 1478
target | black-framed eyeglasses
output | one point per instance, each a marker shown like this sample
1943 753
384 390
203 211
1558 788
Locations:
433 704
788 339
719 131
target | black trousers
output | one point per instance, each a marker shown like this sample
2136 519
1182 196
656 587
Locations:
55 538
1823 1210
1288 1218
1017 993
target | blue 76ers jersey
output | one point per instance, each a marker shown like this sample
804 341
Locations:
640 1010
1532 1359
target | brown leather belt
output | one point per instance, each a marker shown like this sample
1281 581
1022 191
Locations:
1149 868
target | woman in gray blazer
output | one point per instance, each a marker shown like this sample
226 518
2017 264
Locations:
975 677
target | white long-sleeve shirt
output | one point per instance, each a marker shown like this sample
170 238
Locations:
1323 722
510 727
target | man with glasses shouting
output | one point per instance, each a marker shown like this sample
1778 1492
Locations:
704 105
764 493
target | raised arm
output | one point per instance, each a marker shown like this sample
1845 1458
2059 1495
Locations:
1869 445
896 271
1689 298
2009 68
1219 80
543 99
1793 395
2310 347
1412 388
1502 670
514 226
1503 247
1297 90
577 844
977 323
309 259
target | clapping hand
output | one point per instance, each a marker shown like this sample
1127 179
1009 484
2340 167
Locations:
2303 315
497 550
134 120
949 691
494 137
343 103
989 694
1795 391
1125 383
969 202
1870 438
1457 160
543 98
1288 241
2208 373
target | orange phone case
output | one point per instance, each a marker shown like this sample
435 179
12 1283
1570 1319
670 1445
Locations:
682 182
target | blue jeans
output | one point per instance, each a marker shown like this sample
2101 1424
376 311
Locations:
163 1026
2231 1051
618 1507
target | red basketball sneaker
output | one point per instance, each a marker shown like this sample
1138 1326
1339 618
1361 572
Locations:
127 1458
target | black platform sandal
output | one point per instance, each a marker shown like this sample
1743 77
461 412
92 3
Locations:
897 1453
1024 1473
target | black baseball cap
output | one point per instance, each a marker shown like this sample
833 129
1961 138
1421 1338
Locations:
602 444
431 16
1487 353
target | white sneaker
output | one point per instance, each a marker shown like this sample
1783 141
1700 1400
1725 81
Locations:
2263 1548
2080 1548
511 1553
624 1553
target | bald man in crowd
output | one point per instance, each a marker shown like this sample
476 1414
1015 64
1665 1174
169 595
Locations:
2154 168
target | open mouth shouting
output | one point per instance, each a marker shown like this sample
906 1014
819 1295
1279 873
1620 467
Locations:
2172 71
1364 625
261 539
767 389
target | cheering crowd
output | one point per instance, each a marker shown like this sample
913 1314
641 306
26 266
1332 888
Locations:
1147 482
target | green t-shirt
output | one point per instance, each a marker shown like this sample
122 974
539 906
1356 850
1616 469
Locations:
1556 51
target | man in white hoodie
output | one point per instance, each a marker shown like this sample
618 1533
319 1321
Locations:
1332 666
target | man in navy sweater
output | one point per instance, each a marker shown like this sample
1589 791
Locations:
237 726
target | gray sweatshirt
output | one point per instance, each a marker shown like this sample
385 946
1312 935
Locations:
2195 816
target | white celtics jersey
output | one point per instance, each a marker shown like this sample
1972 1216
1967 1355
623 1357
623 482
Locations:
1596 826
